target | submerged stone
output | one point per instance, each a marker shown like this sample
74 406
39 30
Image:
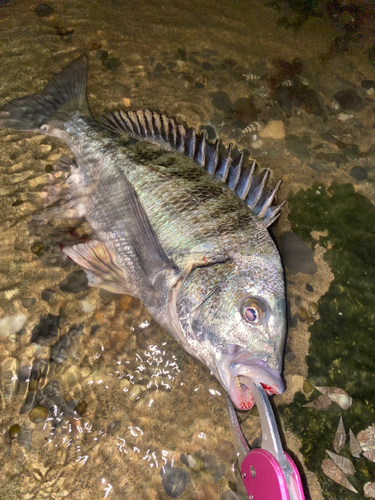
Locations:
297 148
12 324
220 100
174 480
349 100
112 64
296 254
75 282
358 173
43 10
14 431
46 329
38 414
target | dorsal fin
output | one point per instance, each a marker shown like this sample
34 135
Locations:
240 178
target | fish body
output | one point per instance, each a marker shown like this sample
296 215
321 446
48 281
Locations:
168 231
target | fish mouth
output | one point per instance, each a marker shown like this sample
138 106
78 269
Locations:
237 373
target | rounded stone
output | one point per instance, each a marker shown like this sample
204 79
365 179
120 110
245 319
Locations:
358 173
310 320
312 308
303 314
38 414
81 407
43 10
174 480
14 430
307 387
296 254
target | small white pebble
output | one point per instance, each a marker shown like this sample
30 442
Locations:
343 117
370 91
317 192
12 324
87 307
340 314
257 144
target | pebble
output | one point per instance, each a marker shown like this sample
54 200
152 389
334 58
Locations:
38 414
220 100
46 329
343 117
349 100
158 71
28 302
310 320
210 462
24 438
297 148
112 64
358 173
309 287
81 407
14 431
12 324
307 387
181 54
87 307
126 102
211 133
206 66
303 315
257 144
312 308
75 282
219 473
102 55
47 294
37 249
43 10
174 480
244 110
296 254
290 355
368 84
274 129
59 351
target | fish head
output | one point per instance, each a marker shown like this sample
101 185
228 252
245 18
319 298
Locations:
233 318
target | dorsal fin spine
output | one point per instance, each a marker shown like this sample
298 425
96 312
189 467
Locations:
241 179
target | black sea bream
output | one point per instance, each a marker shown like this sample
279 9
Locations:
175 223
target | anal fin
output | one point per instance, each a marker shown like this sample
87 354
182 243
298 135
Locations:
99 262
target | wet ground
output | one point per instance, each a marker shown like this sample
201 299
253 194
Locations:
111 398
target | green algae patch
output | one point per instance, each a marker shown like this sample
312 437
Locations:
342 345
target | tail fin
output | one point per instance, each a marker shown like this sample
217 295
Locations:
47 112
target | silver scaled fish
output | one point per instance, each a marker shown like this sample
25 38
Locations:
176 222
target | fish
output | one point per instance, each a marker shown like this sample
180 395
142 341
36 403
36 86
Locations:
175 221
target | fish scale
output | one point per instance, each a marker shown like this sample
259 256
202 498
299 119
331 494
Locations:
175 221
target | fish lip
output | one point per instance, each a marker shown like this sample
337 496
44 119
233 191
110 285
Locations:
238 371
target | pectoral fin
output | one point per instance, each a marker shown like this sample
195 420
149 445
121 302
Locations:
99 262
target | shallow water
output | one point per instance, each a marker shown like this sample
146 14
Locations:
149 403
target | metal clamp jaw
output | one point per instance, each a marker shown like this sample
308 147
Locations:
268 473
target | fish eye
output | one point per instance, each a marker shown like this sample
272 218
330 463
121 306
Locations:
254 310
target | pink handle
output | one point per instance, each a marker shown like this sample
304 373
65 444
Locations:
263 477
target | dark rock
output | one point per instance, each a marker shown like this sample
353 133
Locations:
352 151
75 282
193 59
332 157
206 66
46 329
244 110
174 480
221 101
94 329
309 101
102 55
284 98
239 124
230 62
43 10
158 71
188 78
289 354
181 53
75 330
297 148
184 459
59 351
358 173
151 60
211 133
47 294
319 166
171 65
28 302
309 287
297 256
50 397
112 64
199 85
349 100
219 473
368 84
